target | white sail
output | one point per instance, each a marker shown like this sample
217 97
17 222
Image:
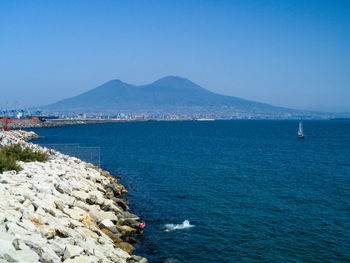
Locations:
300 130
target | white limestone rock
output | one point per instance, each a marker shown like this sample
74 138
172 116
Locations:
72 251
63 187
75 223
92 248
13 215
14 250
13 228
43 188
107 223
57 246
47 231
80 195
82 259
87 232
75 213
49 255
118 255
81 205
34 240
28 225
98 215
2 218
49 210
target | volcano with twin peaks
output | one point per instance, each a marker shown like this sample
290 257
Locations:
170 95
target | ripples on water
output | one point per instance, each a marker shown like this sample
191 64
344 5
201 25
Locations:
288 202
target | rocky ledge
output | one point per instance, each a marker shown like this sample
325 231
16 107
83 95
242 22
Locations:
63 210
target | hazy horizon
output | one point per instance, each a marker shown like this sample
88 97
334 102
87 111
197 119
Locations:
289 54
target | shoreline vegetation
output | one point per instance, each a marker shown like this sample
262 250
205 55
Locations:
57 208
10 154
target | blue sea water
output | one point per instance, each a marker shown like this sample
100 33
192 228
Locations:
252 191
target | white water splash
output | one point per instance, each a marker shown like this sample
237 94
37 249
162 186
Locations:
185 224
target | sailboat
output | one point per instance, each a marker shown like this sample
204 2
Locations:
300 130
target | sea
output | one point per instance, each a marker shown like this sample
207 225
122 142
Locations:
228 191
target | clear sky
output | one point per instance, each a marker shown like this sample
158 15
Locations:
286 53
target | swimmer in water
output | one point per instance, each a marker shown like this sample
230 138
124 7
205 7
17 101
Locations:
141 227
166 229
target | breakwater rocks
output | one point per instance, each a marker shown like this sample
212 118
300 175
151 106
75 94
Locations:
63 210
64 122
16 137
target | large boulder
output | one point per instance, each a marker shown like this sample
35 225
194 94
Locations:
120 202
48 255
129 222
72 251
107 223
125 246
63 188
126 230
98 215
128 215
115 237
75 213
116 188
80 195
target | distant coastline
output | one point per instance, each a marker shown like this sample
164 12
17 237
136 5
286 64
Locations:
340 119
65 122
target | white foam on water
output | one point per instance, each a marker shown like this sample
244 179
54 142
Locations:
185 224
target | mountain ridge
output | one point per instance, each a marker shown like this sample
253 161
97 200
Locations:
167 95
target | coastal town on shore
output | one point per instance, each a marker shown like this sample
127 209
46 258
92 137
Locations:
25 119
63 210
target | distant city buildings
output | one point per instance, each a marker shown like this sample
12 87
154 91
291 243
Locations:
184 113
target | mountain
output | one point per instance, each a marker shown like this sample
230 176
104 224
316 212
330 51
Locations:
168 95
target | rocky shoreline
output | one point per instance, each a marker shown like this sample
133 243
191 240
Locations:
63 210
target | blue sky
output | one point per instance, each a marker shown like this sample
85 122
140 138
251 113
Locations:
286 53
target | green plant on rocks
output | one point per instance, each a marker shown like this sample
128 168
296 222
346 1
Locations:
9 154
